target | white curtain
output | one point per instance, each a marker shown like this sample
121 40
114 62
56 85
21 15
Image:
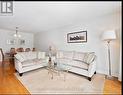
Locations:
0 56
120 66
120 59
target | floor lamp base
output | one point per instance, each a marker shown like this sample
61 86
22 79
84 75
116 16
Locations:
110 77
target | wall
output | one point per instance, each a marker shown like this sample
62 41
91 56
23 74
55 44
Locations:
7 34
95 28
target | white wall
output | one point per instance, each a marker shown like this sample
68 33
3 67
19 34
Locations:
94 28
7 34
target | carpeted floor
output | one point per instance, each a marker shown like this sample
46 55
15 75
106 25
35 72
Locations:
40 82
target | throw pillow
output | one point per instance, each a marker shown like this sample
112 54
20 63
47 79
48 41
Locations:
85 57
68 54
59 54
78 56
19 57
89 57
31 55
41 55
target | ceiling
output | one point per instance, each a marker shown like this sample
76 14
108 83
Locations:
46 16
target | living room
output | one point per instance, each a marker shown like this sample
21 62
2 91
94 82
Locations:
84 35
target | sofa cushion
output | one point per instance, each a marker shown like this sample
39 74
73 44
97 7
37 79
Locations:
78 64
41 55
63 60
28 63
89 57
78 56
68 54
39 60
31 55
59 54
33 62
23 56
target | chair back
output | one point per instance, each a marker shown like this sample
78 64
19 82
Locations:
33 49
27 49
1 55
12 52
20 50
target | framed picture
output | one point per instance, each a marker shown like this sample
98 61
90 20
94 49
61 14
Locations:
11 41
77 37
21 41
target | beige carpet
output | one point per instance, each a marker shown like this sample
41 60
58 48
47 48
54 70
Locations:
40 82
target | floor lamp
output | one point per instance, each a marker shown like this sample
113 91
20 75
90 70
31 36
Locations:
108 36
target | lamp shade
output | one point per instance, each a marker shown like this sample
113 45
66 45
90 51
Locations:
109 35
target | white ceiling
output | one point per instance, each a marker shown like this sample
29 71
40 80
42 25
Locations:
46 16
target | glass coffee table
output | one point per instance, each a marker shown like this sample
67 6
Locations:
57 68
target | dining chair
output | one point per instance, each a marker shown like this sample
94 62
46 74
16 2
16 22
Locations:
27 49
12 52
33 49
20 50
1 55
1 62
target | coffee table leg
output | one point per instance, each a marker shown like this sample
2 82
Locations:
58 73
50 72
64 76
66 71
52 76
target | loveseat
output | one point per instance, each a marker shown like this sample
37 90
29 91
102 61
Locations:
83 63
26 61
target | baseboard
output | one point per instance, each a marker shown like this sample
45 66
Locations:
104 72
101 72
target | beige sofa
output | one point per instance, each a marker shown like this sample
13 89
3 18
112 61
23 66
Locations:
26 61
83 63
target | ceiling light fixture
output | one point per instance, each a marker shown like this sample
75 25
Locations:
16 34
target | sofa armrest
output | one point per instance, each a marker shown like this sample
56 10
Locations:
18 65
92 68
47 59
